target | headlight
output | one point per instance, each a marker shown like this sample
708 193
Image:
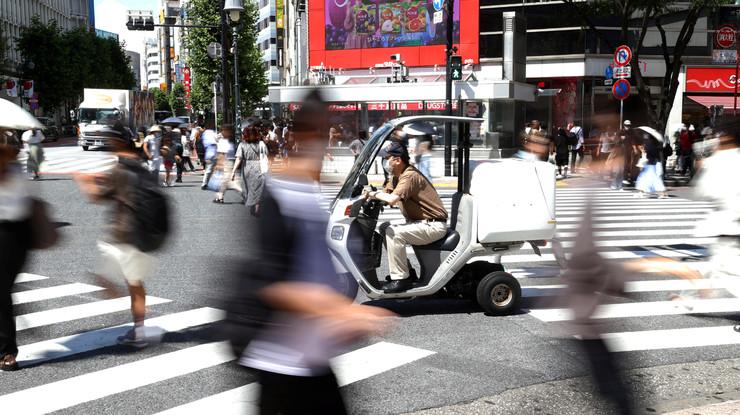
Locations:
337 233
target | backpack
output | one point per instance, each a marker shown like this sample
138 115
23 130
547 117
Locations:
151 212
246 313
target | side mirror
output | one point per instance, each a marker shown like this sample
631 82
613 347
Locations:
362 180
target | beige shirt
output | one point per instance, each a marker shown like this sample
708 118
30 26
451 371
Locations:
419 200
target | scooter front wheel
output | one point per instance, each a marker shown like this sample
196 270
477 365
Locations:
499 293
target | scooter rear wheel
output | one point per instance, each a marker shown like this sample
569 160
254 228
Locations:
499 293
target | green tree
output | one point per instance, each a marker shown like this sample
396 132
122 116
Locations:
3 49
176 99
253 84
64 63
636 17
161 100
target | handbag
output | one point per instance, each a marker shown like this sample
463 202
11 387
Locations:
214 183
43 232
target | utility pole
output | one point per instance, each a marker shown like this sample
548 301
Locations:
450 7
224 65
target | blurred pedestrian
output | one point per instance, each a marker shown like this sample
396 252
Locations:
187 150
122 250
630 153
309 321
226 155
615 163
578 149
686 150
559 149
209 140
196 138
168 152
15 242
357 145
251 156
33 139
604 148
650 179
151 146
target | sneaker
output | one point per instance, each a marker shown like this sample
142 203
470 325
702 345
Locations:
131 338
203 187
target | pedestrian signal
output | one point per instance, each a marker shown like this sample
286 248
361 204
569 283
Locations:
456 68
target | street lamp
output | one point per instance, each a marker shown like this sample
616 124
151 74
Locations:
234 8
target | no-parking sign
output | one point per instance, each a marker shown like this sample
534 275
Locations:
622 56
621 89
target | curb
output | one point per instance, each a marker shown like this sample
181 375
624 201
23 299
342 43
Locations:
722 408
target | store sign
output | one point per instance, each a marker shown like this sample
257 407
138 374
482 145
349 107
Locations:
186 84
346 107
724 37
378 106
407 106
710 80
439 105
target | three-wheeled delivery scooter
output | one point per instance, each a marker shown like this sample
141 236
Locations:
500 205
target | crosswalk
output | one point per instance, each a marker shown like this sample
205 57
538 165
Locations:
89 385
52 332
68 160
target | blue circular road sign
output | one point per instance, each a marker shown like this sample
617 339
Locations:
438 4
621 89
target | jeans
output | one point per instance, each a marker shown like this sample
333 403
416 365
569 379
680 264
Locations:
618 178
573 154
425 165
210 165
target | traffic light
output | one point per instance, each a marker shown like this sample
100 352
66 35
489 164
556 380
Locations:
456 68
140 20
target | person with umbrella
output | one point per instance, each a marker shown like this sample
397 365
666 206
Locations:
33 139
650 179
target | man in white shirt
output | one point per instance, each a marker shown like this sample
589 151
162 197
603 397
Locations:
33 139
579 149
210 142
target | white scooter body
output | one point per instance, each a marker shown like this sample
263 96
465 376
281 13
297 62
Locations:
446 266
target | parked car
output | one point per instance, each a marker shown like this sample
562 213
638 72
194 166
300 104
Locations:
50 131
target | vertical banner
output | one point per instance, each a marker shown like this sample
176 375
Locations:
27 89
280 25
186 86
11 88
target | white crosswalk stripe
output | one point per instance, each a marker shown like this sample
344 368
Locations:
67 160
87 386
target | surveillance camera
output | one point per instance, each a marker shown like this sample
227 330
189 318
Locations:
396 57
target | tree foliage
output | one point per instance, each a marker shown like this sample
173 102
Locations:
64 63
3 49
176 99
636 18
253 85
161 100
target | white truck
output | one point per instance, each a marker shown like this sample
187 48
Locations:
101 107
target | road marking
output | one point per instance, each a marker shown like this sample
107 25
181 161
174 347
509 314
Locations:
671 339
105 337
641 232
48 293
637 286
76 312
629 242
652 253
634 203
81 166
635 219
91 386
644 309
646 209
349 368
25 277
621 225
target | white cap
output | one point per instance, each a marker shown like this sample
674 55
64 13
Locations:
627 122
691 128
417 129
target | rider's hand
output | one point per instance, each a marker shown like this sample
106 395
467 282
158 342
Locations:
366 194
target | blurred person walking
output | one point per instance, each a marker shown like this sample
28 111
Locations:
305 319
198 150
615 163
251 156
578 143
686 150
650 179
33 139
168 153
188 149
151 146
358 144
138 225
209 140
226 154
20 218
559 149
606 143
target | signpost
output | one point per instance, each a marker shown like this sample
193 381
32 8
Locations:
621 88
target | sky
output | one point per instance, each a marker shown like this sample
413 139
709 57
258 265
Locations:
110 15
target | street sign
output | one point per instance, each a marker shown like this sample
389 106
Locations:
609 72
608 82
438 17
623 72
438 4
456 68
622 56
621 89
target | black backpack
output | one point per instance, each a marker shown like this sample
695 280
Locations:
151 223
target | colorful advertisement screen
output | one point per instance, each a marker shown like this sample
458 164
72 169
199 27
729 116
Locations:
354 34
359 24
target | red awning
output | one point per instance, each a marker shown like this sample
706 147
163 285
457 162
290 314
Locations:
727 101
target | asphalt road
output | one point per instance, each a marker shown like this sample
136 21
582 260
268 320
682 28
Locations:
441 357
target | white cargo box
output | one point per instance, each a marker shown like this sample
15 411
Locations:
515 200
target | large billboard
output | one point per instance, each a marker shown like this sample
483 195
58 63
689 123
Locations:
363 33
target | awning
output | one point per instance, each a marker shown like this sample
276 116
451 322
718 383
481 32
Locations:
727 101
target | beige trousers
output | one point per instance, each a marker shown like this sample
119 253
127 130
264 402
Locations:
397 237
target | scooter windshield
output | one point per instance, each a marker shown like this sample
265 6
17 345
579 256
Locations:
363 162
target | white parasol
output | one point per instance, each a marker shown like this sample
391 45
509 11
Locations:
658 136
16 118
